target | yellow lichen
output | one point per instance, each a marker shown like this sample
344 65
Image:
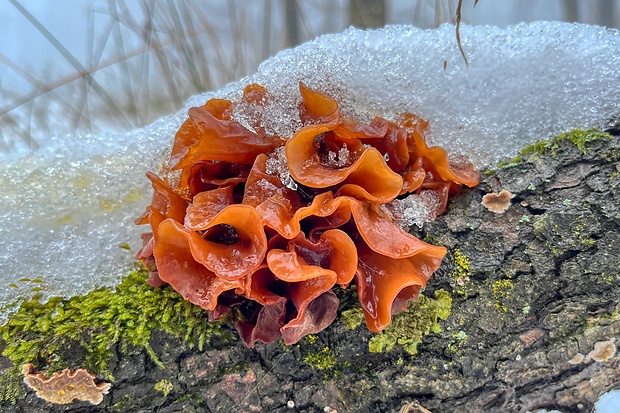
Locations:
461 271
322 360
501 291
462 265
352 317
164 386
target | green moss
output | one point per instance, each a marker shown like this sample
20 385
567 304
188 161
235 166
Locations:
322 360
408 327
581 138
352 317
87 327
164 386
536 149
431 239
184 398
578 137
10 388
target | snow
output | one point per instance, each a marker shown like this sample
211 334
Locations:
67 207
276 165
413 210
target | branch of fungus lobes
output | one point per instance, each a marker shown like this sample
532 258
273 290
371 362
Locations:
264 228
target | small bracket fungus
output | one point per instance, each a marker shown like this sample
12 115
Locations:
603 350
577 359
66 386
497 203
413 407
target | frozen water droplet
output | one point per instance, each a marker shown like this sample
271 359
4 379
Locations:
276 165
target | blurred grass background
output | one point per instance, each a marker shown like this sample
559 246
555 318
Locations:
144 58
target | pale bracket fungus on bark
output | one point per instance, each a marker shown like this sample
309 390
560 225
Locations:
497 203
603 351
66 386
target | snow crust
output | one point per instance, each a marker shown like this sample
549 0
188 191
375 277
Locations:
66 209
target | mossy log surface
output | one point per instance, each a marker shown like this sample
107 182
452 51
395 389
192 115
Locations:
530 288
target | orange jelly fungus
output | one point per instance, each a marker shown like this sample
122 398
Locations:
229 230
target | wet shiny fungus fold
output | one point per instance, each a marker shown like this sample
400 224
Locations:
272 225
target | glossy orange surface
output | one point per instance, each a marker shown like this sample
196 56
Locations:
235 228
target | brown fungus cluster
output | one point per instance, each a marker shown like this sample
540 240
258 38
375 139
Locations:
271 224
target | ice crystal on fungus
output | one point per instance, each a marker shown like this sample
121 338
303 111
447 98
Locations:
281 222
276 165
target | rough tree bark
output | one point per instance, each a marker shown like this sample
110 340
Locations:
531 288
